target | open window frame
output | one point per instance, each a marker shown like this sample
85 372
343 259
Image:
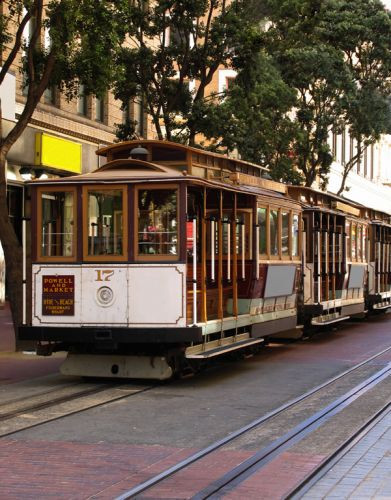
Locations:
139 257
56 258
123 257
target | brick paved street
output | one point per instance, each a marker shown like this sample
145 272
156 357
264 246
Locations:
104 452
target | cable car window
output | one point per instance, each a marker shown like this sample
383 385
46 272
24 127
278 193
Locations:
348 243
105 224
262 222
295 235
354 241
157 222
359 242
364 243
57 231
273 232
285 233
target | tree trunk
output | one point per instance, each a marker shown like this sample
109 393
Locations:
12 253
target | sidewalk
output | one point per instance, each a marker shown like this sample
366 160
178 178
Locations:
364 472
17 366
7 337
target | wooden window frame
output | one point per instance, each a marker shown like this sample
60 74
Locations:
106 187
264 256
279 230
160 257
56 189
288 255
355 258
348 237
291 212
299 236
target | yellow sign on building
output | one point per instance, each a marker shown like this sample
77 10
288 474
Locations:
58 153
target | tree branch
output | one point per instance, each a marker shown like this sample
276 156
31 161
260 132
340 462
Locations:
15 49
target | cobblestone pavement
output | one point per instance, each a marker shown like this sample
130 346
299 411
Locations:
364 472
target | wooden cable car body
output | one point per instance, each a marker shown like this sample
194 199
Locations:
335 257
379 265
146 264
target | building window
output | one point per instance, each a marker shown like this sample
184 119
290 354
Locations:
99 109
343 147
82 101
125 113
27 35
366 161
50 95
334 146
351 148
372 162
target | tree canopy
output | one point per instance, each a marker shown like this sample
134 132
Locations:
175 48
336 55
320 67
84 36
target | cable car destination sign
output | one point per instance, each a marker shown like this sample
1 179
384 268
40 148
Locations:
58 295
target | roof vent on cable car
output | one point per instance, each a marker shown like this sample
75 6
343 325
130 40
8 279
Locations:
139 153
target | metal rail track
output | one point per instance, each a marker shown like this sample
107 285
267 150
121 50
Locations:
22 414
238 474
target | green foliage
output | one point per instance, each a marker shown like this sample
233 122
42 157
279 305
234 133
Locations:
84 37
336 55
172 44
253 118
126 131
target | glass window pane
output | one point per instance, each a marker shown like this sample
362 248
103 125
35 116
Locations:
285 233
295 235
157 222
353 242
273 232
57 227
359 242
262 214
364 243
105 224
348 245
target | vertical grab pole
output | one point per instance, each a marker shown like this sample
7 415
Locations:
212 250
340 249
333 263
50 237
378 246
24 270
194 271
257 252
228 251
243 253
319 268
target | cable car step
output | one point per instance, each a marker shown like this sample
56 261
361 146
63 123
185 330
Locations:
222 346
328 320
382 305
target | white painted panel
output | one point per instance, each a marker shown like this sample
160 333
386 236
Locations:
52 270
279 281
157 295
105 295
